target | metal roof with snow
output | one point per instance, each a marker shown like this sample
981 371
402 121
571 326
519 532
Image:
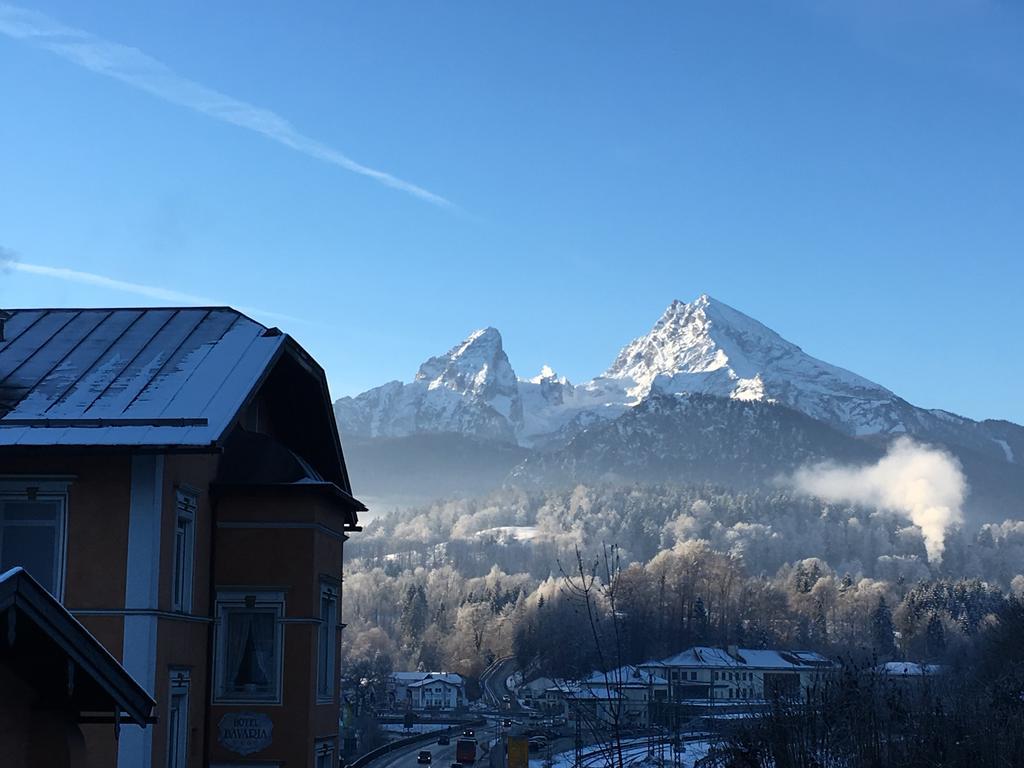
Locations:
704 656
138 377
629 675
414 678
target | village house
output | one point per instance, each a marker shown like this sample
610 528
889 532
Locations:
689 683
735 675
533 692
427 691
174 479
626 696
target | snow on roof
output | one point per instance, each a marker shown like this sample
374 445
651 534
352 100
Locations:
908 668
627 675
704 656
412 679
443 680
577 690
165 376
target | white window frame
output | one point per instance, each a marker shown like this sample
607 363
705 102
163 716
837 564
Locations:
180 680
186 506
323 753
239 600
327 644
50 489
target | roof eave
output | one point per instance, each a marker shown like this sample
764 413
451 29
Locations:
24 593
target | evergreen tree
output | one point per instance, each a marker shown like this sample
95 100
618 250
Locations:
699 621
413 620
882 630
820 623
935 637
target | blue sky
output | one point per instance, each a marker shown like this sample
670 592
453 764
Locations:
850 174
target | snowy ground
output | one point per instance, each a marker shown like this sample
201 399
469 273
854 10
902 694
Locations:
511 532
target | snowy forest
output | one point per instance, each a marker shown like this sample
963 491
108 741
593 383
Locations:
458 583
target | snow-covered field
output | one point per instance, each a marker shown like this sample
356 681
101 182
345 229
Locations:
511 532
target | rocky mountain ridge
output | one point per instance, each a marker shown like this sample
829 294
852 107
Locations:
704 347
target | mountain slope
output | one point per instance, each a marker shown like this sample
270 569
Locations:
694 439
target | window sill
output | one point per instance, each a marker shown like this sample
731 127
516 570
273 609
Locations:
235 701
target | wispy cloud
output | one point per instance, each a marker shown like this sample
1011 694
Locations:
10 263
139 70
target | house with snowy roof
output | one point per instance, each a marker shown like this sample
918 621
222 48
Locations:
736 675
174 479
427 690
627 695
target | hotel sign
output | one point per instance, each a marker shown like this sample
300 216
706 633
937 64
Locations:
245 732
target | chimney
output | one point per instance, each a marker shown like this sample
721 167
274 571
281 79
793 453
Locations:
734 651
4 317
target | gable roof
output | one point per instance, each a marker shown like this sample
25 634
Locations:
750 658
628 676
411 679
44 640
428 680
138 377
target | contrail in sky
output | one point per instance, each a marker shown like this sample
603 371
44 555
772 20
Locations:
9 262
132 66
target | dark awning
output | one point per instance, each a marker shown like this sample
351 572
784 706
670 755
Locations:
44 645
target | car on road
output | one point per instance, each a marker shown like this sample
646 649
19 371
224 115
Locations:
444 739
506 698
506 723
424 757
469 733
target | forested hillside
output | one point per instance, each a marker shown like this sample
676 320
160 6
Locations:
455 583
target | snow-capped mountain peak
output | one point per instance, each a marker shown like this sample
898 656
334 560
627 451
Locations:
701 337
681 341
471 389
708 347
477 365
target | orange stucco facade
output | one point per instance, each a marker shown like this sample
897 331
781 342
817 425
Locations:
189 500
289 539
